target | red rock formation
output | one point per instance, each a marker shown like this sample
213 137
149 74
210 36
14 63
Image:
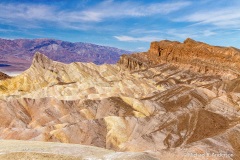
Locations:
190 55
198 56
133 61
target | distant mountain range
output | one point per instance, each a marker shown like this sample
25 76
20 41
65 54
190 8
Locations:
16 55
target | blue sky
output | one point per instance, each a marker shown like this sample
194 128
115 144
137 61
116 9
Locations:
130 25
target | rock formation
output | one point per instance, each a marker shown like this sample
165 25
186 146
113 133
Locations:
159 104
192 55
202 57
3 76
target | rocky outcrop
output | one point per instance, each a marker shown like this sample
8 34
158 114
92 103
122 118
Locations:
198 57
133 62
3 76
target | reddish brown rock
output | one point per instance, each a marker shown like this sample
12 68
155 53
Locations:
3 76
201 57
190 55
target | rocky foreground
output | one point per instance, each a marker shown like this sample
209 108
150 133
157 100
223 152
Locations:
176 101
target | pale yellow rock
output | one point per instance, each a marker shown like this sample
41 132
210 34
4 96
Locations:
117 131
137 105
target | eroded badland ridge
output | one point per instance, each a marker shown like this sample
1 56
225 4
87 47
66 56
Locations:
175 100
195 56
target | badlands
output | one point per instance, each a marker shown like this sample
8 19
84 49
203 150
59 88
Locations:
175 101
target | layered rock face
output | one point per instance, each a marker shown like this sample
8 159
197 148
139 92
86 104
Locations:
191 55
200 56
146 103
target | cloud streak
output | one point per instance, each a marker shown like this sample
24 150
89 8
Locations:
189 32
124 38
111 9
170 33
26 12
227 17
19 14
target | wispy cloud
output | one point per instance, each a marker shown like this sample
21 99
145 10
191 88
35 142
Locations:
113 9
26 12
145 31
208 33
26 16
37 14
166 34
223 17
142 49
137 39
6 30
189 32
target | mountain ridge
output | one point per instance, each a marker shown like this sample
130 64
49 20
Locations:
191 55
19 53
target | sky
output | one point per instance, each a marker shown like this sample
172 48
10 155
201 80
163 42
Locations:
125 24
